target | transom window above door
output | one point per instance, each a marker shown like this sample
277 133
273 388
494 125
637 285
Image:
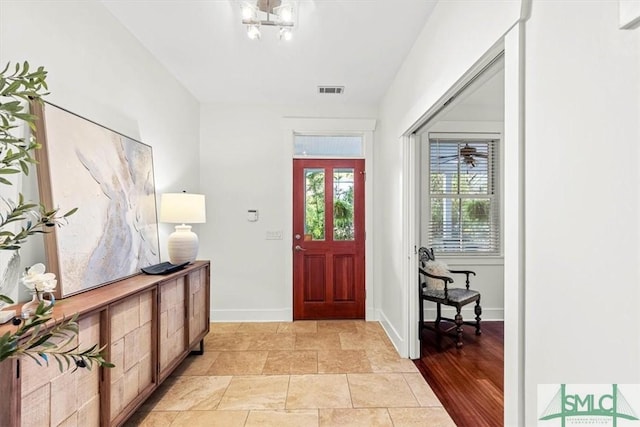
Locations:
463 197
328 146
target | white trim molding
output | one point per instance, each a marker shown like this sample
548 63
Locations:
321 124
272 315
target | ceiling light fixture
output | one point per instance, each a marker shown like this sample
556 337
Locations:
285 34
274 13
253 31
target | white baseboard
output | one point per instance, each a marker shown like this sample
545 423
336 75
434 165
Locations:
392 333
276 315
371 314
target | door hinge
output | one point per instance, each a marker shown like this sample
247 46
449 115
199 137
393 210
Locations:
364 174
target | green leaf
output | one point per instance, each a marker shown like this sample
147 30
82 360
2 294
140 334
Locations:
11 89
34 358
40 341
8 171
71 212
6 299
25 168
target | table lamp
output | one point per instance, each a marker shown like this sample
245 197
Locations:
182 208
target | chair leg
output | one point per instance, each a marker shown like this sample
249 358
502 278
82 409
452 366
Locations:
478 311
458 320
438 316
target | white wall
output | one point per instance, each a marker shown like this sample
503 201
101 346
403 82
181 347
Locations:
246 163
582 126
454 39
441 55
582 192
99 71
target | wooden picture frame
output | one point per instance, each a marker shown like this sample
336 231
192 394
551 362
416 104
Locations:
109 178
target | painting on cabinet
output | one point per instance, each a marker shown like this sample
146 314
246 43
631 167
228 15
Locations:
109 178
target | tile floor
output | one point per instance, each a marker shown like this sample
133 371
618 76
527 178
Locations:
302 374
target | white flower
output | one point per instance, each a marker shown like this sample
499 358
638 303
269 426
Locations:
35 279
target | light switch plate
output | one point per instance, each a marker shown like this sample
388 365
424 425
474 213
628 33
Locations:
274 235
252 215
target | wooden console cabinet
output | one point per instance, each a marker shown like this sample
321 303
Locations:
148 324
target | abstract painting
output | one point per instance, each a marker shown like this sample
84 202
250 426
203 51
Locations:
109 178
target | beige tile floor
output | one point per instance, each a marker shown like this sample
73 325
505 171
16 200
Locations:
302 374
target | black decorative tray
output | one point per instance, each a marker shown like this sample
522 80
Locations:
163 268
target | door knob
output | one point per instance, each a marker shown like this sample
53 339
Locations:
299 248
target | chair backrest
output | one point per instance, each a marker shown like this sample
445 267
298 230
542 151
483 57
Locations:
425 255
438 268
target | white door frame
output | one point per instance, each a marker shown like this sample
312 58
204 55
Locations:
411 152
332 126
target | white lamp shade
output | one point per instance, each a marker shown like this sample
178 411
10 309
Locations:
182 208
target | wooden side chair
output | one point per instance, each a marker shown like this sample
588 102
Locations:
433 285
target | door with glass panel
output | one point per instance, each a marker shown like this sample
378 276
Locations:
328 239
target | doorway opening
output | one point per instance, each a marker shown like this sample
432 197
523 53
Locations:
457 181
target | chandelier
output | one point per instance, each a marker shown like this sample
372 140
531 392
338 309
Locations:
274 13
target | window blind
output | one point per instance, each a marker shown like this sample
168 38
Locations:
464 209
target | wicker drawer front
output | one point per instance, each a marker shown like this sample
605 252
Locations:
198 298
172 322
131 349
49 397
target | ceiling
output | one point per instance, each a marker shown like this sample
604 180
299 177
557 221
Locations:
483 100
358 44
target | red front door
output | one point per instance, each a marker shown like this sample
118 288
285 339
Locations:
328 239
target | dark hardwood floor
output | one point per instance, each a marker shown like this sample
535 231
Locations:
468 382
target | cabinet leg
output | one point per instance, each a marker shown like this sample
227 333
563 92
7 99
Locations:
200 350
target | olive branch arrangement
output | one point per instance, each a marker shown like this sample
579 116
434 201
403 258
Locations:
37 337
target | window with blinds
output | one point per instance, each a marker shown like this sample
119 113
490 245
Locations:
464 204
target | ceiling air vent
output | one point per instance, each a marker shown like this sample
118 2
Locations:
335 90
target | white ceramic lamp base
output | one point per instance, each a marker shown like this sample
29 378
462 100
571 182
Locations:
182 245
